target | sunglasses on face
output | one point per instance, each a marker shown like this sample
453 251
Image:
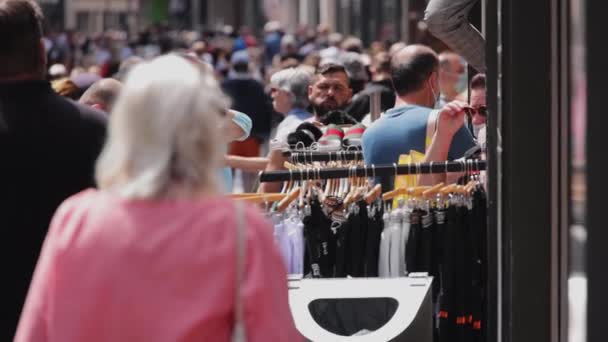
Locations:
481 110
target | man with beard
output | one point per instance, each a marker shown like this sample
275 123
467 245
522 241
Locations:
329 92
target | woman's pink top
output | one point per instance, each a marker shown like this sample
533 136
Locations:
125 270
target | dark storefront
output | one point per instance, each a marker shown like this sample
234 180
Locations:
545 95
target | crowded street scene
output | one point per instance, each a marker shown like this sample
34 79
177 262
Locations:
271 170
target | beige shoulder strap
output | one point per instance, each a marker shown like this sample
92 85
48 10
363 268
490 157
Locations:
431 127
238 333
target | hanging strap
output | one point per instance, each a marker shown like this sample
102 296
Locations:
238 334
431 127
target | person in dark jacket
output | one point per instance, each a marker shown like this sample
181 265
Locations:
381 83
48 145
248 96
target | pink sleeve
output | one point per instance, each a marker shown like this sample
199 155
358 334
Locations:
33 323
267 313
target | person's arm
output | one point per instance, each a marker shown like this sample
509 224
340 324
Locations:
449 121
247 164
275 162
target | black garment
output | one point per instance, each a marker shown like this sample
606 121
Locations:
320 251
436 263
424 257
248 96
375 227
437 250
464 263
447 297
357 242
342 248
360 105
48 146
414 243
479 271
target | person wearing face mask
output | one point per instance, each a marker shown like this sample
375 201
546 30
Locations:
413 124
236 127
452 78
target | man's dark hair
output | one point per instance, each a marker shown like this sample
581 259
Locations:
478 81
330 68
410 76
20 34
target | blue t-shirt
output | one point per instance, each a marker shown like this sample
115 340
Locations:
403 129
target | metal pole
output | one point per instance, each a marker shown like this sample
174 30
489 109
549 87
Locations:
374 105
379 170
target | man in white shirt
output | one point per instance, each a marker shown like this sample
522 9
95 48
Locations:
289 92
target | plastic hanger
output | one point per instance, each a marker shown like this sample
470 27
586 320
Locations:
433 191
288 199
349 198
375 192
263 198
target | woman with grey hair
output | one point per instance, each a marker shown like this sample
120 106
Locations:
289 92
157 254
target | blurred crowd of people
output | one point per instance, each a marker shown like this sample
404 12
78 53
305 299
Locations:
244 64
148 124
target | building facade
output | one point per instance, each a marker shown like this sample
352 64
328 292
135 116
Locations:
93 16
368 20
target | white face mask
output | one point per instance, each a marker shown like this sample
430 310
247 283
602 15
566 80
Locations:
477 128
436 98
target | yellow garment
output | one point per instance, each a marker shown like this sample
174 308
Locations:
407 181
413 157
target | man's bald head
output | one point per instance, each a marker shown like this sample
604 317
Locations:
102 94
411 67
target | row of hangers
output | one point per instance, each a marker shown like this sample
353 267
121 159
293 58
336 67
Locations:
349 189
353 189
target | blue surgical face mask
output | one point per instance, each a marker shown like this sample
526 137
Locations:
244 122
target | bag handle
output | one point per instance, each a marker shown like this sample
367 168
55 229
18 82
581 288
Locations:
238 334
431 127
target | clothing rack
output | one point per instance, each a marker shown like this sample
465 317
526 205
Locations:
469 165
313 156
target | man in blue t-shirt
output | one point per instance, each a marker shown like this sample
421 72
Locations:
407 126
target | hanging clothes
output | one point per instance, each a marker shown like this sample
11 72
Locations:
320 243
442 233
289 238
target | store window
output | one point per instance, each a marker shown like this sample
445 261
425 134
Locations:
389 25
356 22
83 21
